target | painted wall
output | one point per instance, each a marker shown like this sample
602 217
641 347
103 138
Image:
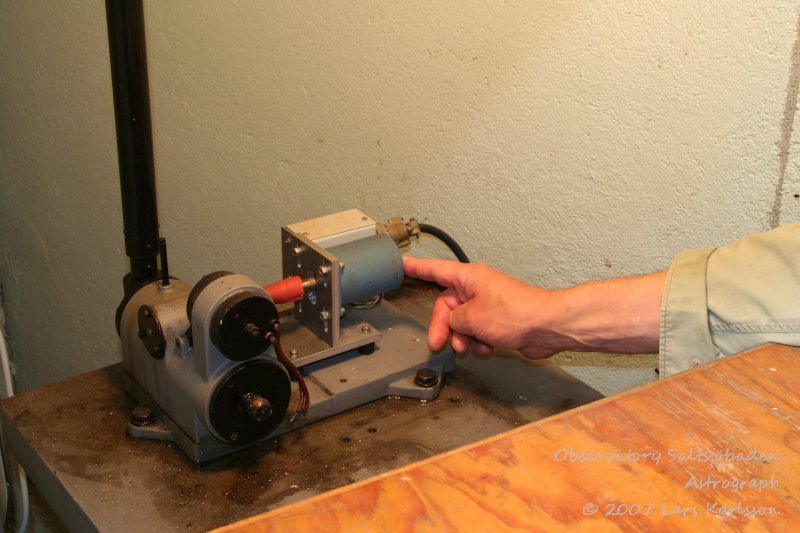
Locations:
559 140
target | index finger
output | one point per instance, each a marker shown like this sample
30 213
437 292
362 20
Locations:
443 272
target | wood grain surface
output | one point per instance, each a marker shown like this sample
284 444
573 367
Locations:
711 449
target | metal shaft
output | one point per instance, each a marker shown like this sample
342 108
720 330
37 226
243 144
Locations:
126 40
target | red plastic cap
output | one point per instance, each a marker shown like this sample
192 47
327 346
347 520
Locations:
286 290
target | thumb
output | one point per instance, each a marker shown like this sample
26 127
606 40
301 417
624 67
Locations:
463 319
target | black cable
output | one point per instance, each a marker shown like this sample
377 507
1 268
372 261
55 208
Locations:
446 239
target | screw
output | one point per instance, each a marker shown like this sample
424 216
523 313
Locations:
323 270
142 416
426 378
366 329
252 330
293 353
297 251
324 315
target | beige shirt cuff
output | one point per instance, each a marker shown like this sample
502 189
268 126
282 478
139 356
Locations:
685 340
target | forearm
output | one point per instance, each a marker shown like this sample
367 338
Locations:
619 315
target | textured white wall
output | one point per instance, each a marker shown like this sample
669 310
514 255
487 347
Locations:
558 140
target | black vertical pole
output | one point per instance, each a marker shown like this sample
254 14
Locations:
127 51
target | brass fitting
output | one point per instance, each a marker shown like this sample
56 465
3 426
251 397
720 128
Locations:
400 231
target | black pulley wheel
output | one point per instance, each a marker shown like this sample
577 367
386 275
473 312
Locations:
250 401
241 323
204 282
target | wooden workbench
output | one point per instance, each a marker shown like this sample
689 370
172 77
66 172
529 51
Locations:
713 448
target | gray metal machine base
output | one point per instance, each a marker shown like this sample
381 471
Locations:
335 384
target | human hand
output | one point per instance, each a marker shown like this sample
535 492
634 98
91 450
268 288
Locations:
483 308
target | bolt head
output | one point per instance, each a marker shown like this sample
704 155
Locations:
324 315
323 270
426 378
366 329
142 416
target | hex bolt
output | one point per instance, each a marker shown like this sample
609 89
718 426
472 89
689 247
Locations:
426 378
365 329
298 251
293 353
142 416
323 270
324 315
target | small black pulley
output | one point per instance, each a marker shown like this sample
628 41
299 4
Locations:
241 323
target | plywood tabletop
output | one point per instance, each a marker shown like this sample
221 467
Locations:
713 448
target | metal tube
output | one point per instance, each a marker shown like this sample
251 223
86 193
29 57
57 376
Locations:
128 55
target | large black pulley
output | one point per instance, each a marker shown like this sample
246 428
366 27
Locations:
250 401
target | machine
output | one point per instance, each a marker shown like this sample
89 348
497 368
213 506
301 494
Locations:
215 366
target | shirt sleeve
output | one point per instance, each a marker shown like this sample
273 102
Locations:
729 299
